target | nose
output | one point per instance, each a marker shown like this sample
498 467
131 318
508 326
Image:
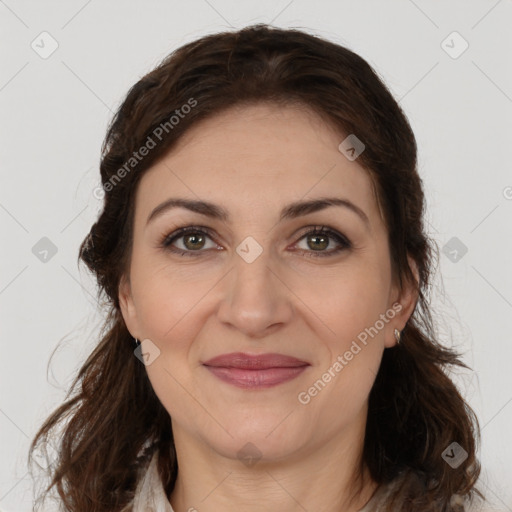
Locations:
255 300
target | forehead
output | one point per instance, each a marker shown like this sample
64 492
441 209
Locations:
254 159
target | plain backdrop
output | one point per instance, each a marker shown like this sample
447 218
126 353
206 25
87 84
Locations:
448 64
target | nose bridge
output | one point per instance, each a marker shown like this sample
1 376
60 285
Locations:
254 298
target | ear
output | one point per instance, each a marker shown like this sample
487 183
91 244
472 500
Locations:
407 299
127 306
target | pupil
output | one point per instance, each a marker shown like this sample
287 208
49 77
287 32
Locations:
322 245
193 237
195 240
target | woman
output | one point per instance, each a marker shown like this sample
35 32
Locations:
269 344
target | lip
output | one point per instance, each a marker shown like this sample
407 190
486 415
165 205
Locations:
255 371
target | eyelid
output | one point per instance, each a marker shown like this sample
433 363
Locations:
177 233
332 233
344 243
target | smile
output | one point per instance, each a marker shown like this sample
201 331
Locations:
255 371
256 378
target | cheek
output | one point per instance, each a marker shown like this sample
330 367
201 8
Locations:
354 308
340 387
351 306
346 393
168 310
165 301
348 301
357 317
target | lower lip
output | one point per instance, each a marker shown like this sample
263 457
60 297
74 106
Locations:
255 379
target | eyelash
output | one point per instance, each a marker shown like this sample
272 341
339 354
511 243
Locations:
168 239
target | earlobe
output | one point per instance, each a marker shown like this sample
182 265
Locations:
407 300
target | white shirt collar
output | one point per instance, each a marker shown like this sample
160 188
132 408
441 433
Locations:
150 494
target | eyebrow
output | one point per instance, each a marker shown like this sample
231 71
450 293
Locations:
291 211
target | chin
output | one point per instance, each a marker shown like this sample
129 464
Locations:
249 450
262 439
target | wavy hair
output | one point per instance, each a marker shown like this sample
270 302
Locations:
112 421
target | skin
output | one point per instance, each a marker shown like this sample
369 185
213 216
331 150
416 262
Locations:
253 161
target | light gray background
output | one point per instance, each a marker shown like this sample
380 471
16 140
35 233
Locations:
54 115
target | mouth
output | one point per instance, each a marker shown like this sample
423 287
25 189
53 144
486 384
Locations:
255 371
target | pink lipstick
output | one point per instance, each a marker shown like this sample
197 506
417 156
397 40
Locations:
255 371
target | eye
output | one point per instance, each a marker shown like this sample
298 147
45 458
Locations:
319 239
191 240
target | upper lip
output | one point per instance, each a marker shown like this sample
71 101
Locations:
255 362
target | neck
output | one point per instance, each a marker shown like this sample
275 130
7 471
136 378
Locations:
323 476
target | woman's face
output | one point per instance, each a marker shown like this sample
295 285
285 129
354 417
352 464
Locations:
258 282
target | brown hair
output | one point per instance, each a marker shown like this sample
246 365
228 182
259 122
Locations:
115 422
